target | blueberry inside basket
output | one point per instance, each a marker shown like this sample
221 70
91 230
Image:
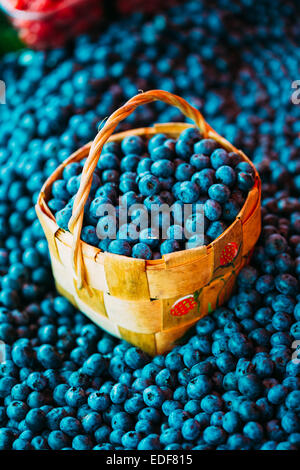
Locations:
149 303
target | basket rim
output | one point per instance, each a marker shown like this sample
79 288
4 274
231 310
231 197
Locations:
97 254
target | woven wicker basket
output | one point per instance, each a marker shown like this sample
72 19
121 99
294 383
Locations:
151 304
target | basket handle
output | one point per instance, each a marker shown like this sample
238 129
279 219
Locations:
75 223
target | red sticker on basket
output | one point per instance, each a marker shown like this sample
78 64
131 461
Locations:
228 254
183 306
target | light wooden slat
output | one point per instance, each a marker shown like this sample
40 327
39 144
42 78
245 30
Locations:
166 340
141 316
251 230
126 277
92 298
232 235
146 342
250 204
131 283
171 321
100 320
180 280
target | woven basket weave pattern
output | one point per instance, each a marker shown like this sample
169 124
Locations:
149 303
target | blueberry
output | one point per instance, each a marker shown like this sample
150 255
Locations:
184 172
59 190
73 185
212 210
239 345
230 210
36 381
238 442
94 365
118 393
214 435
189 192
153 396
151 442
63 216
215 229
169 246
91 422
205 146
70 426
135 358
204 179
131 439
6 438
156 141
286 284
35 419
149 185
108 161
73 169
190 429
121 421
219 192
244 167
199 386
17 410
290 422
39 443
161 152
219 158
245 181
226 175
120 247
132 144
162 168
231 422
144 165
57 440
141 250
200 161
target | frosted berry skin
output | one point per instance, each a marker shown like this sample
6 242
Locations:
141 250
161 171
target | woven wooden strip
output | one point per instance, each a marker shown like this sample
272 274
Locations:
252 200
251 230
211 293
95 316
126 277
172 129
95 275
62 276
227 289
92 298
228 249
178 311
61 290
168 282
167 339
144 341
140 317
132 282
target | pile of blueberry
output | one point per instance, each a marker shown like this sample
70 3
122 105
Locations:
189 170
235 382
